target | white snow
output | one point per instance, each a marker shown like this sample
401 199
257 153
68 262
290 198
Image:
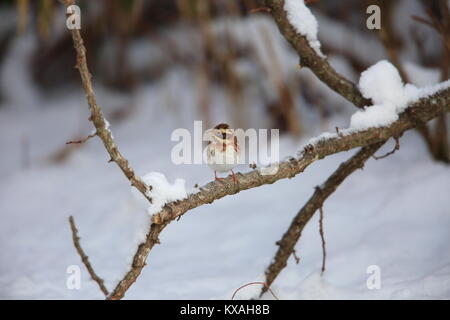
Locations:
162 191
303 21
382 83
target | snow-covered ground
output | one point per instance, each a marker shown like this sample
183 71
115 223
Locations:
394 214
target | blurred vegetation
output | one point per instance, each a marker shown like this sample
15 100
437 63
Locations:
110 28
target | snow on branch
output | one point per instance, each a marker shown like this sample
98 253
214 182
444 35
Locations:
304 22
298 34
382 83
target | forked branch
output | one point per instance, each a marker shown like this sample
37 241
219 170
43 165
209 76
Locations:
287 243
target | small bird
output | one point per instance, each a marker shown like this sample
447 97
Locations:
223 150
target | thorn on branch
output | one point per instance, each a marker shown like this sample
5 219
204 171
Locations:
297 259
82 140
397 147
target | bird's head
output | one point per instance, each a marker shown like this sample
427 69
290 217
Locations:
223 131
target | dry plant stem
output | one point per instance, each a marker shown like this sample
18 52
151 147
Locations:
84 257
309 58
287 244
81 140
253 283
97 117
322 237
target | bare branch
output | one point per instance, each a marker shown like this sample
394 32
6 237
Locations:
84 257
97 118
396 147
81 140
287 243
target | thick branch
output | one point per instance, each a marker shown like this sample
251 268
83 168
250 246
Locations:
84 257
309 58
421 111
97 118
287 243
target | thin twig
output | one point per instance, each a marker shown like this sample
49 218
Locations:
322 236
82 140
294 254
423 21
84 257
253 283
397 147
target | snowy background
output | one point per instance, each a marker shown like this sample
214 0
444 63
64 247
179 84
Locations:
394 214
